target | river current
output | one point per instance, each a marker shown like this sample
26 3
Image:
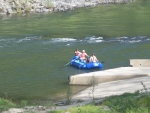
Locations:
34 47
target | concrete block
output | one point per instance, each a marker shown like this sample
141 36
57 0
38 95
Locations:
140 62
121 73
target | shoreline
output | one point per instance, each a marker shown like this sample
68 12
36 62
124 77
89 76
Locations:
41 6
101 91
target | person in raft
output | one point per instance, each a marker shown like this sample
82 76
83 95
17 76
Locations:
77 52
93 58
83 56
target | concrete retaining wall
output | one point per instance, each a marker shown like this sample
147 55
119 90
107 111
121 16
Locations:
109 75
140 62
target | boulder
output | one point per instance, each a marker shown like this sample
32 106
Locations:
9 6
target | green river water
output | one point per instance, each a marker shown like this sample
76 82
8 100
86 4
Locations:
34 46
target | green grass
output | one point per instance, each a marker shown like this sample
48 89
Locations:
84 109
126 103
6 104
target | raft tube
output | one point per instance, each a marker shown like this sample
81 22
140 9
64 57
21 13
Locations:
76 62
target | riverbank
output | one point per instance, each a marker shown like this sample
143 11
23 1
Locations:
98 94
39 6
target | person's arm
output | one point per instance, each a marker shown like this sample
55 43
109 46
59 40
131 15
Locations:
87 55
79 53
90 59
96 59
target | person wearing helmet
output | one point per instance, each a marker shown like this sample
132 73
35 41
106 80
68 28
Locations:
83 56
93 58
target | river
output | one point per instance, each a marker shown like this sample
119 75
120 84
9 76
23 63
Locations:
34 47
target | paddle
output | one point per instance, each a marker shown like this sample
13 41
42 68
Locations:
102 62
65 65
68 63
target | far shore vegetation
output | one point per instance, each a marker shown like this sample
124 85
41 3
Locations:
138 102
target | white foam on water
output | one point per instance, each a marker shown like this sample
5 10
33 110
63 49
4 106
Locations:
60 40
123 37
19 40
148 39
131 41
133 38
2 40
70 41
68 45
7 40
94 39
26 39
10 42
134 41
142 37
100 38
54 40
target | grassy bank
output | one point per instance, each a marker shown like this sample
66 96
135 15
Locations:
126 103
138 102
6 104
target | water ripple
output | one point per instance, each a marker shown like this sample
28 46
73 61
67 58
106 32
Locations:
9 42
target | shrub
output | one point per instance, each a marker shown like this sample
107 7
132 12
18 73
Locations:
6 104
24 103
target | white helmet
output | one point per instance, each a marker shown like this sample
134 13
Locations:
83 51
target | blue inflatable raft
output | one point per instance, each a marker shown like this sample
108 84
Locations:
76 62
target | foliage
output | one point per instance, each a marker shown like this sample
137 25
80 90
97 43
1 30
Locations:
23 1
48 104
69 96
129 103
121 103
138 102
6 104
93 83
48 3
126 103
24 103
59 111
88 109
